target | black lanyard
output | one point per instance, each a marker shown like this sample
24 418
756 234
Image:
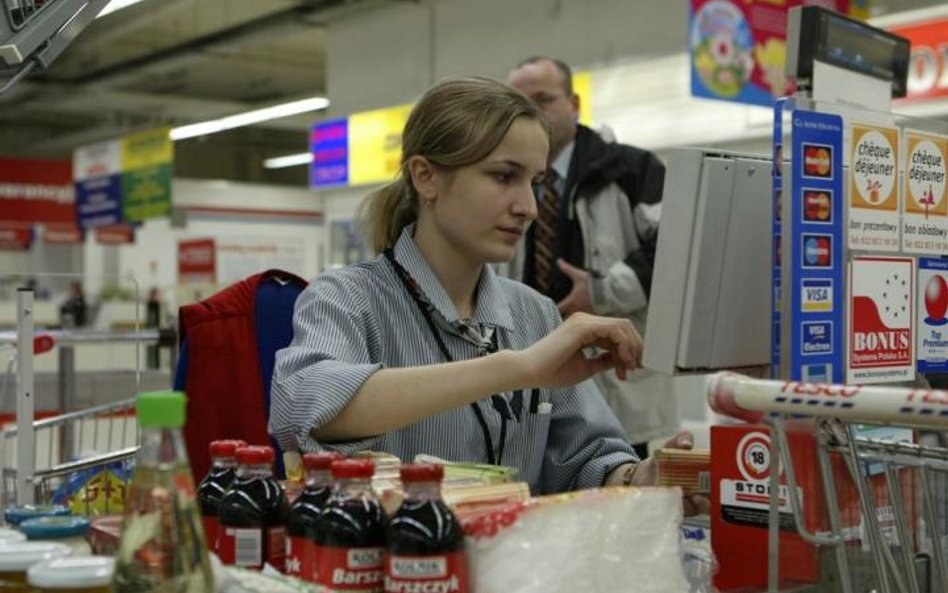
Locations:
427 311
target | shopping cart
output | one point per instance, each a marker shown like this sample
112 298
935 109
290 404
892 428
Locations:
901 486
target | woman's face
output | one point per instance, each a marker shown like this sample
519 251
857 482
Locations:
482 210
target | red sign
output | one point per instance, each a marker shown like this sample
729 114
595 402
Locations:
197 261
18 239
928 66
36 191
116 234
63 234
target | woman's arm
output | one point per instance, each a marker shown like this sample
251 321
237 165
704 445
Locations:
394 398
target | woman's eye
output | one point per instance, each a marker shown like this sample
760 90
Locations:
504 176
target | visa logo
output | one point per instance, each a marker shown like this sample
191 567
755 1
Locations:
816 295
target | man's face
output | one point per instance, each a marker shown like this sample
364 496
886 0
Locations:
544 84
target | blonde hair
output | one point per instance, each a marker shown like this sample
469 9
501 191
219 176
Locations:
456 123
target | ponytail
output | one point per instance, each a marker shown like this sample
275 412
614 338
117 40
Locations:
386 211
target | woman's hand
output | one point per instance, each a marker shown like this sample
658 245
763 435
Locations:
558 359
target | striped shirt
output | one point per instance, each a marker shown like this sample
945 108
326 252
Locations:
349 323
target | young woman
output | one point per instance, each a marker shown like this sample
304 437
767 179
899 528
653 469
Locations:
425 349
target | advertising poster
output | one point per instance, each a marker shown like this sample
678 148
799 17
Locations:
874 188
815 326
36 191
932 322
329 144
927 80
881 315
925 207
738 48
97 173
197 261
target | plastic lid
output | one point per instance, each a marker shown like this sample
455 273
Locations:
255 455
421 472
161 409
10 536
226 448
55 527
72 573
343 469
16 515
320 461
21 556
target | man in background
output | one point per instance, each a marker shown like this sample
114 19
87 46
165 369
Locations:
592 246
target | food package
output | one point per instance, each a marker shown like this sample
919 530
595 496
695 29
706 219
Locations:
620 540
99 490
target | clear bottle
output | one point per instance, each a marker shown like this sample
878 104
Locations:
425 541
216 483
252 517
304 514
162 542
350 534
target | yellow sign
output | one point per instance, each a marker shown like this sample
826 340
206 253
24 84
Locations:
582 87
147 149
925 171
875 168
375 144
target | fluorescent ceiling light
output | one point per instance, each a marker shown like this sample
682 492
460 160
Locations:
117 5
288 160
249 118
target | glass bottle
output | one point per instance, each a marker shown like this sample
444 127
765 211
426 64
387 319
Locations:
301 522
162 542
425 541
216 483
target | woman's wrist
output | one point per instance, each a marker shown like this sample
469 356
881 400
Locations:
624 475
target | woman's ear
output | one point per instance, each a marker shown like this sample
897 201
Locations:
423 178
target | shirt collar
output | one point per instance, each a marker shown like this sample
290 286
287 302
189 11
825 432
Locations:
561 162
492 307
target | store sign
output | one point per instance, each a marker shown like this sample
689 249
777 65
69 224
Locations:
126 180
63 234
116 234
738 47
928 65
375 144
329 144
36 191
197 261
16 239
932 317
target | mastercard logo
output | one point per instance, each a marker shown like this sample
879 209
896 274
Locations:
817 251
817 161
817 206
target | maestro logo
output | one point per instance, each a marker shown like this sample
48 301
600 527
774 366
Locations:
817 251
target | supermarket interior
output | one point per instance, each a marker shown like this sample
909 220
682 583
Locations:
494 296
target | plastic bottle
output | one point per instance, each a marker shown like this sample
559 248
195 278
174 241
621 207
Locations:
425 541
215 484
350 533
253 514
304 514
162 542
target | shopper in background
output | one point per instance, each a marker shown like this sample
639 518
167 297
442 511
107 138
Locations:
72 313
425 349
592 247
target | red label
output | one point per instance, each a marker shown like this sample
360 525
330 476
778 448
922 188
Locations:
350 569
440 573
210 531
249 547
301 558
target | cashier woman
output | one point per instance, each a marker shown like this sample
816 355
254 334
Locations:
425 349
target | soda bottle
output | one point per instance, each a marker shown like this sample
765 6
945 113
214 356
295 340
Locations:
425 541
350 533
215 484
161 546
252 514
301 524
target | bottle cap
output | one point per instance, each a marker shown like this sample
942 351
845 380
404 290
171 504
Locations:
72 573
320 461
55 527
343 469
255 455
17 515
421 472
161 409
21 556
225 448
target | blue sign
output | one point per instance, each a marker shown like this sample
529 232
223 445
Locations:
329 144
777 185
816 240
99 201
932 322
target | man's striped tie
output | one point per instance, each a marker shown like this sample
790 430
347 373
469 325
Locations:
544 235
